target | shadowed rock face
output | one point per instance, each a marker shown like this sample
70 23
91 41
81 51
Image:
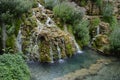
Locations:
43 40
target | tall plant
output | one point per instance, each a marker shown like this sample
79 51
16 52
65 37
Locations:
9 10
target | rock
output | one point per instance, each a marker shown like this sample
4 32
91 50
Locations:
101 43
104 28
46 42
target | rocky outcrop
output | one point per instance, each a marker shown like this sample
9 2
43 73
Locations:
43 40
101 43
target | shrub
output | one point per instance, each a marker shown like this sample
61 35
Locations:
115 40
112 21
107 10
68 12
108 15
81 31
13 67
95 21
51 3
13 8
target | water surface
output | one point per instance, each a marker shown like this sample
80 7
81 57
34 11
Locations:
40 71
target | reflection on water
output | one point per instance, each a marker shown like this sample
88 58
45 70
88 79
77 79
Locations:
45 71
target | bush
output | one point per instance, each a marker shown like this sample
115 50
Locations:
81 32
68 12
13 67
13 7
95 21
107 10
115 41
51 3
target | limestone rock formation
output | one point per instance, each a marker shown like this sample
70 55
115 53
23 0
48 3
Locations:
43 40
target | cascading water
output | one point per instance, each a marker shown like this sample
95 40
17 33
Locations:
49 22
51 53
40 26
4 35
59 54
77 47
19 40
75 43
98 30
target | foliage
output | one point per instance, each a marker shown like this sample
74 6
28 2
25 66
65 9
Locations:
115 40
13 67
95 21
10 8
99 2
81 32
68 12
107 10
112 21
50 3
83 2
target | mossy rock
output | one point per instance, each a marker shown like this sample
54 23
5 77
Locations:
101 43
44 51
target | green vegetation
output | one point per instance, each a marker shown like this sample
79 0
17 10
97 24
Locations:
13 8
81 32
95 22
10 13
13 67
51 3
107 11
108 15
97 2
115 41
68 12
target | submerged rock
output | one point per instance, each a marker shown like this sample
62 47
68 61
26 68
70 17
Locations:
83 73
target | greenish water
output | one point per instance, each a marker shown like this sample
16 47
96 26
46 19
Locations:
40 71
109 72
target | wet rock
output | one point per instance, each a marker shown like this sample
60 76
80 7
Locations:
104 28
101 43
45 41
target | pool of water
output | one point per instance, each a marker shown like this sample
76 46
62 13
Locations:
109 72
40 71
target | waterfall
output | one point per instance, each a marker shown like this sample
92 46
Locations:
49 22
98 30
19 40
4 35
40 26
77 46
59 54
51 53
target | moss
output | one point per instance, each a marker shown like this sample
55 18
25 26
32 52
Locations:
17 26
11 42
69 50
95 22
83 3
45 51
101 43
70 29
